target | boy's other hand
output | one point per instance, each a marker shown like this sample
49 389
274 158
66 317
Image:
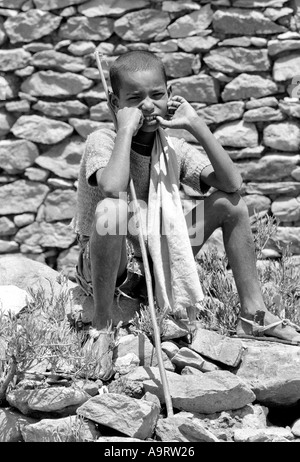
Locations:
181 114
130 118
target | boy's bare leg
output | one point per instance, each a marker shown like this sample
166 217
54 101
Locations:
230 212
108 259
108 262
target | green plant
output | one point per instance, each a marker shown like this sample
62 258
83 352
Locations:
279 280
264 228
280 283
142 321
221 301
41 339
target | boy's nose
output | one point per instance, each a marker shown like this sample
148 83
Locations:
147 104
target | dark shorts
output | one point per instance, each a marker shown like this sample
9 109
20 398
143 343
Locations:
132 283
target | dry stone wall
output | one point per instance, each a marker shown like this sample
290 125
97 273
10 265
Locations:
236 61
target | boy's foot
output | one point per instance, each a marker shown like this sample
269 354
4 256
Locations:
266 326
98 350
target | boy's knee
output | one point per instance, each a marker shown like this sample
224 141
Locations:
232 205
111 216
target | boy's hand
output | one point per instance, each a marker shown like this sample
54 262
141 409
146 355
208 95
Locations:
130 118
183 114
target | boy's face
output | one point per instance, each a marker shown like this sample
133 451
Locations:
146 90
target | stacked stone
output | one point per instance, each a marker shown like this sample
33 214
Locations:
236 61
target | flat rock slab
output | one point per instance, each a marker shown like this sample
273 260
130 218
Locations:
22 196
272 370
237 134
265 435
133 417
214 392
81 28
183 427
13 59
47 400
273 167
17 155
69 429
143 25
248 86
217 347
198 88
31 25
60 204
245 22
232 60
41 129
55 84
64 158
109 7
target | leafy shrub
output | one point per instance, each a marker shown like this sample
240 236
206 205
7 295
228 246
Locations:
41 335
279 280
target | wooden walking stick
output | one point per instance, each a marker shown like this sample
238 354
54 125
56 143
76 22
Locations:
148 276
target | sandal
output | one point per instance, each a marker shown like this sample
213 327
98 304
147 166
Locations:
259 329
98 352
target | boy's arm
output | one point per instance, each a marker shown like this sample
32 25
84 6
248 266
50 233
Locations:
114 178
222 174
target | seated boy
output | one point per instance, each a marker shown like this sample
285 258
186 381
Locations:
142 102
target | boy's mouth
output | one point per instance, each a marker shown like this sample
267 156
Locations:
149 118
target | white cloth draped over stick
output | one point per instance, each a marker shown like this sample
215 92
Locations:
177 285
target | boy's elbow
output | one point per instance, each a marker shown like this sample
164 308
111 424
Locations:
106 188
110 188
235 186
109 192
232 186
236 182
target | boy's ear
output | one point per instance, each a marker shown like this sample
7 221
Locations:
113 101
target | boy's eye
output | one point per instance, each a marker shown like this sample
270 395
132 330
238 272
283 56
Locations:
158 95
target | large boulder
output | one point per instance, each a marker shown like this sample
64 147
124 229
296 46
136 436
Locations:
216 391
133 417
67 429
13 299
62 401
25 273
272 372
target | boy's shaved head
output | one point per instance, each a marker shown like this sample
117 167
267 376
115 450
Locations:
133 61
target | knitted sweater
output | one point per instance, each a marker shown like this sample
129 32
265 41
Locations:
99 146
